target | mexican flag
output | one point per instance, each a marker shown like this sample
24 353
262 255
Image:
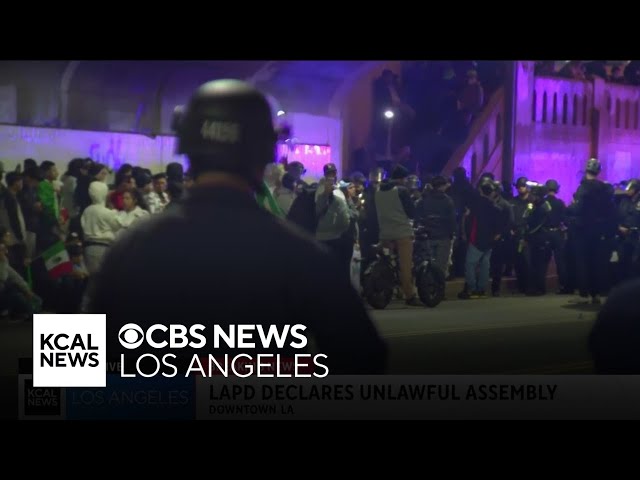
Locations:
57 261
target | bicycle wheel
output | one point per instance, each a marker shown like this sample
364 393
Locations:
430 283
378 285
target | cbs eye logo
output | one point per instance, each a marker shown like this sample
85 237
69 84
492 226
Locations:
131 336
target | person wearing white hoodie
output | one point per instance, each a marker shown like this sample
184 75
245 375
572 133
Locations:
99 225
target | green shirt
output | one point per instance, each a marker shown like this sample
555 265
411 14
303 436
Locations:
49 199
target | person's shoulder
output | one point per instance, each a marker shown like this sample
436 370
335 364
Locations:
295 239
402 190
151 229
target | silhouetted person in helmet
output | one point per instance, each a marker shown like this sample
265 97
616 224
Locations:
501 253
595 223
220 259
555 231
615 336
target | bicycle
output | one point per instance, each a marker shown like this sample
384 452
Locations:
382 277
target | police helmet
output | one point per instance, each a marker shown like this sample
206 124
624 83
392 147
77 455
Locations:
593 166
487 186
552 185
521 182
487 175
227 125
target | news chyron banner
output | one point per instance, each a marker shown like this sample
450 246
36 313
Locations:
69 378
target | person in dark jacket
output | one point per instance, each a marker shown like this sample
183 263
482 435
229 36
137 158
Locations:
31 207
436 212
97 172
595 223
460 191
501 252
11 214
484 229
230 270
175 181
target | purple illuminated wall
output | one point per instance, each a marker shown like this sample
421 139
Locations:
114 149
60 146
557 132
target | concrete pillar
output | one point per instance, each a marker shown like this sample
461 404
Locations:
523 96
509 121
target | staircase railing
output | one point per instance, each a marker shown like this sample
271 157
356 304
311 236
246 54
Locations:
482 151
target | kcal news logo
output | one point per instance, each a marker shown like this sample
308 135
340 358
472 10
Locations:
69 350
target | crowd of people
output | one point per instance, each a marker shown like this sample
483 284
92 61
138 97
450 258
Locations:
78 211
480 233
192 248
624 73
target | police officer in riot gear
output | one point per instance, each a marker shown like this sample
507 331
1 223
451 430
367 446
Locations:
217 259
537 215
555 230
595 224
628 227
521 252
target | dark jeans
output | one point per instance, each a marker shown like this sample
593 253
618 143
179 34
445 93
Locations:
481 260
441 253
